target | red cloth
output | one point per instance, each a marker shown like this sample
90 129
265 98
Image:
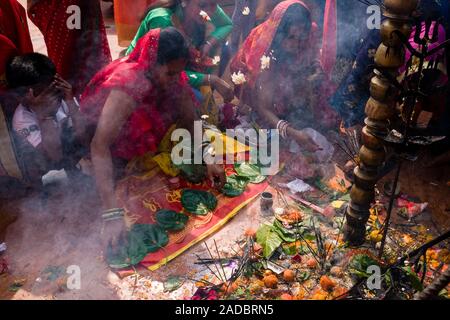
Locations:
142 196
77 53
14 26
329 42
259 41
155 111
7 51
14 34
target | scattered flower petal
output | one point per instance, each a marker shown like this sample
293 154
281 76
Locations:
205 16
238 78
265 62
216 60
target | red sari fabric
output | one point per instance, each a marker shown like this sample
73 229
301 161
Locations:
155 111
77 53
329 42
14 34
259 42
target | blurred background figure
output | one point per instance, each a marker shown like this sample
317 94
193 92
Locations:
14 40
128 16
78 51
194 19
244 20
280 62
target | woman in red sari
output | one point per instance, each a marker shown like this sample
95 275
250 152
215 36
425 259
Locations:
132 103
14 40
283 74
14 34
78 51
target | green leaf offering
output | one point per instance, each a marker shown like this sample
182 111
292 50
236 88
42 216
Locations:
119 258
152 236
285 234
171 220
250 171
360 264
194 173
413 278
289 249
268 239
235 186
142 240
172 284
198 202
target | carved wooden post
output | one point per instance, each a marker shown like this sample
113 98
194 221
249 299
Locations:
380 107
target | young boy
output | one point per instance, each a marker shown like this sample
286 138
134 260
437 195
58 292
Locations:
46 120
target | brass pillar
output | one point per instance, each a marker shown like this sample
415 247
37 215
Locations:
380 107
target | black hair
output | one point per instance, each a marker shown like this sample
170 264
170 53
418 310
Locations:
169 5
29 70
198 35
295 15
172 46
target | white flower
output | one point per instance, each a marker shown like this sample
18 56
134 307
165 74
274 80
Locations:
216 60
265 62
238 78
193 76
205 117
279 211
246 11
205 16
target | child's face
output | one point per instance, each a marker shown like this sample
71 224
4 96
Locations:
44 96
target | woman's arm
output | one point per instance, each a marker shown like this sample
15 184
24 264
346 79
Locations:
118 107
215 172
264 97
188 114
263 92
197 79
222 25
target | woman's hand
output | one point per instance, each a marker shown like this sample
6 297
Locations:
113 233
216 174
64 87
225 90
205 50
304 140
47 103
317 78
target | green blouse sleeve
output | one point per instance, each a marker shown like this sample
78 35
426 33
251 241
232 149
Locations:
196 79
157 18
222 23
